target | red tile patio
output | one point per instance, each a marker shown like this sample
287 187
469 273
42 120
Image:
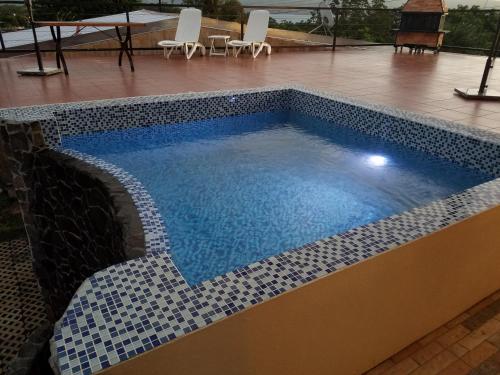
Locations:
468 344
419 83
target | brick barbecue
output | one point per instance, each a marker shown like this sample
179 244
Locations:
422 23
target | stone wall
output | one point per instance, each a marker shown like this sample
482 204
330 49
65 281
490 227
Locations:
5 177
79 219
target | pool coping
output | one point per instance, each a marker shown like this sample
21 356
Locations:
134 306
48 111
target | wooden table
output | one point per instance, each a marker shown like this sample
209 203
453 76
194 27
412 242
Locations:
125 43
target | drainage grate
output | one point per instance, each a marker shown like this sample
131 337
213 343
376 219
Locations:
21 306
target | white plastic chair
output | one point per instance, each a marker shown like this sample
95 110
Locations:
186 35
255 35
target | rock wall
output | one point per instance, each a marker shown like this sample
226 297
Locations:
5 177
79 219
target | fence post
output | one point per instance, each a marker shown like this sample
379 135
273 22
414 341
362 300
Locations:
336 12
242 15
159 5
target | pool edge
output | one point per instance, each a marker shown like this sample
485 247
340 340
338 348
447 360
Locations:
365 323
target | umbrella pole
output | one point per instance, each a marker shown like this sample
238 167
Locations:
483 93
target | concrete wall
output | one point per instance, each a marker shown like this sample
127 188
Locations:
348 321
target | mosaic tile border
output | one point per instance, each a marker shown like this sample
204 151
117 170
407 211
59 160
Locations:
404 127
48 111
473 148
56 119
155 236
137 305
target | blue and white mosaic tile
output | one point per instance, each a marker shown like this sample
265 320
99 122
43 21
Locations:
135 306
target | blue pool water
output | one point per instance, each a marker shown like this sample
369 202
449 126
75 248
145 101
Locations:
236 190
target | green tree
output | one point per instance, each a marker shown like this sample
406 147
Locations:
228 10
380 23
352 23
470 27
303 26
13 16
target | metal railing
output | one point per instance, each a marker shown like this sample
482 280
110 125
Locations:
356 26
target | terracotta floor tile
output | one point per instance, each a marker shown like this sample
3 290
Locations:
477 336
381 368
458 367
479 318
456 321
495 305
458 349
493 116
495 340
433 335
406 352
436 364
495 296
475 110
479 354
489 367
404 367
453 335
451 115
452 103
480 121
427 352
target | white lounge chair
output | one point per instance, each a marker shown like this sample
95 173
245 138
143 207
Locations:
255 35
186 35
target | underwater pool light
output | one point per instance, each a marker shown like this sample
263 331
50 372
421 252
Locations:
377 160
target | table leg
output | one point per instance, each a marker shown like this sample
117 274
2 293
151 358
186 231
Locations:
61 55
128 48
59 52
119 36
54 38
124 47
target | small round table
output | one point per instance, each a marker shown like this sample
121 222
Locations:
213 51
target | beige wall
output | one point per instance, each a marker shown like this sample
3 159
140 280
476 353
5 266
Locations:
348 321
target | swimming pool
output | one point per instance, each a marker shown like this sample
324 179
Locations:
134 306
236 190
